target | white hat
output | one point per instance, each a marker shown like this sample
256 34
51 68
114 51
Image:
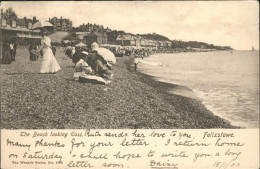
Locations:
84 52
94 46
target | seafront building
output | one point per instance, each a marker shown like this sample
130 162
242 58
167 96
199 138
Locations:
20 30
126 40
16 29
135 40
138 41
61 24
91 28
98 37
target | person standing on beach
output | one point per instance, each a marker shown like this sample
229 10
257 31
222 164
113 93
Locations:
73 51
68 51
6 56
53 50
12 51
49 63
136 61
143 54
32 47
15 49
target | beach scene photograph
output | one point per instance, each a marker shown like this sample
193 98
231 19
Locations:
129 64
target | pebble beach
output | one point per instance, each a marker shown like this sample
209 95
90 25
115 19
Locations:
131 101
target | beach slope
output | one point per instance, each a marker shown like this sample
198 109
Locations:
133 100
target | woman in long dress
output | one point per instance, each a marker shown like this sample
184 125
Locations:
6 56
49 63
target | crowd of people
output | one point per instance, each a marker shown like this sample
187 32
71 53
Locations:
91 64
142 52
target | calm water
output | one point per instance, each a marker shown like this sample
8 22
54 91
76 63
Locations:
227 83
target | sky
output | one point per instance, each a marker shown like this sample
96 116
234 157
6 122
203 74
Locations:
224 23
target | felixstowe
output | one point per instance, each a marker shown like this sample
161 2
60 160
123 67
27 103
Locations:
213 134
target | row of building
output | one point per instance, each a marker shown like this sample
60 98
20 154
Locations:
18 28
135 40
91 28
64 24
61 24
9 20
21 28
102 38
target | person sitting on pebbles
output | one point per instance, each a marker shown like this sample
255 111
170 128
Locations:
100 66
81 66
84 73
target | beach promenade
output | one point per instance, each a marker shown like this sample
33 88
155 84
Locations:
133 100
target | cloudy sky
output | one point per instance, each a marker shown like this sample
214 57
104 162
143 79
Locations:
231 23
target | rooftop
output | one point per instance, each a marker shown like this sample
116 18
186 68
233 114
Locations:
8 27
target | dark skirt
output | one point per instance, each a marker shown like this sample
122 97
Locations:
33 56
6 57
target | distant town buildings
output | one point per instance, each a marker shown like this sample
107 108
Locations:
138 41
61 24
20 29
91 28
126 40
99 38
9 20
88 33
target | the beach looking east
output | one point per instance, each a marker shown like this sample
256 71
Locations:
133 100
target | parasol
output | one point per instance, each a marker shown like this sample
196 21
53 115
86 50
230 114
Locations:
107 55
41 24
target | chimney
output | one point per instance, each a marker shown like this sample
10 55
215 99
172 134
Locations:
49 19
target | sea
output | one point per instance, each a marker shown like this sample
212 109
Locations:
226 82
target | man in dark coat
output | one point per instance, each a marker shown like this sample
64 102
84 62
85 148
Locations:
6 56
68 52
99 65
32 46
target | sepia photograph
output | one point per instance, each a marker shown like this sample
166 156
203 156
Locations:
129 65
